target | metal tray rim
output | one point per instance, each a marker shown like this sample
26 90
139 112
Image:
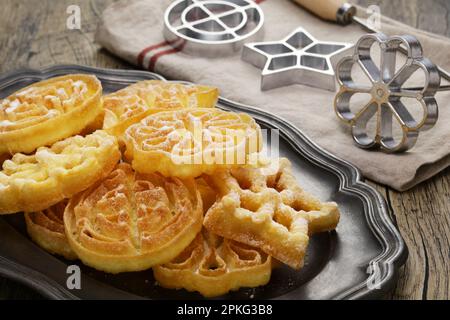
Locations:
394 251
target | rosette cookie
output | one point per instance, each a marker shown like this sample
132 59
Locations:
188 143
36 182
131 221
133 103
46 228
214 266
48 111
268 211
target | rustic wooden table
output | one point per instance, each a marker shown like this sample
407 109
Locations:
34 34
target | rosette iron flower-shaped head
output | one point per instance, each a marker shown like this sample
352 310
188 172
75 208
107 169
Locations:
388 91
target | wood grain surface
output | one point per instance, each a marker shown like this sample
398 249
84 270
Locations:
33 34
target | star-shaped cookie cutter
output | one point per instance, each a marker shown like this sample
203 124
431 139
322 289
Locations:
297 59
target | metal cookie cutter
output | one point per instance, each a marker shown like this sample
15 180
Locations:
297 59
386 92
212 28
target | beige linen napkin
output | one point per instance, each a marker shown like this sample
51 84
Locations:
133 31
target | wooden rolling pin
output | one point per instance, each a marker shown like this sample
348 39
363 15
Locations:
332 10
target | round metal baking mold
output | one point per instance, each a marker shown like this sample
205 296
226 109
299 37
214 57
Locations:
212 28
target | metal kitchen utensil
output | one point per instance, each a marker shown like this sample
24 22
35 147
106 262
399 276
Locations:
212 28
386 89
297 59
388 92
344 13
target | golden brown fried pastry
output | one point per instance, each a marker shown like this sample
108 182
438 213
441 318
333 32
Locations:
268 211
214 266
95 125
36 182
208 194
48 111
46 228
131 222
188 143
133 103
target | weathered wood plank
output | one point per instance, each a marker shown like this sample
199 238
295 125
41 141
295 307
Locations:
423 215
36 35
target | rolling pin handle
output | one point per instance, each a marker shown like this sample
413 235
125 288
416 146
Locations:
332 10
345 14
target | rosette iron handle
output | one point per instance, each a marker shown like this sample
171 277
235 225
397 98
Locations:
332 10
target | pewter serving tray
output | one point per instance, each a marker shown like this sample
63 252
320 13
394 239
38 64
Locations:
337 264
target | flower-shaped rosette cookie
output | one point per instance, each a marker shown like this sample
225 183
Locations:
386 90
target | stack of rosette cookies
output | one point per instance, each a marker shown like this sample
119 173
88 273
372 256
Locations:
153 176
